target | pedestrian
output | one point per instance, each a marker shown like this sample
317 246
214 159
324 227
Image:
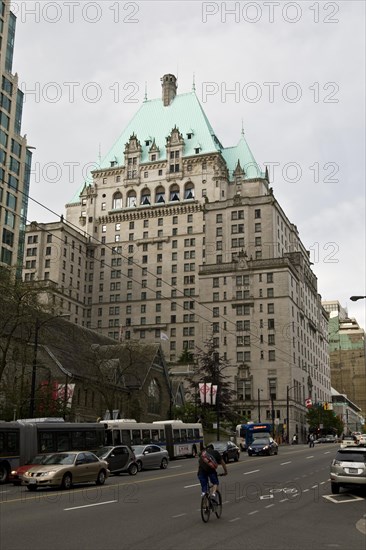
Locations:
311 440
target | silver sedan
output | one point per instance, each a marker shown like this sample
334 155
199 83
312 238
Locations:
150 456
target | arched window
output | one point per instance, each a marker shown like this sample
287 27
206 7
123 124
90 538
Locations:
153 397
189 191
174 193
160 195
131 199
145 197
117 200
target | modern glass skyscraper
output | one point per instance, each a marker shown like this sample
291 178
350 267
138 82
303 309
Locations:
15 156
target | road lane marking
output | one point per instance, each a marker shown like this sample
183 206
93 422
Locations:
251 472
269 505
284 463
306 490
174 467
90 505
254 512
178 516
311 456
189 486
234 519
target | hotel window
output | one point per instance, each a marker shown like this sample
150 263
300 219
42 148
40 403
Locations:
257 227
257 213
117 200
189 191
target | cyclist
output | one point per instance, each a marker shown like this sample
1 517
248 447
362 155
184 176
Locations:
207 472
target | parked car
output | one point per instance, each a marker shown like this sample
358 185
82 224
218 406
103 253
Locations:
150 456
349 441
14 476
362 439
64 469
120 458
348 468
227 449
263 446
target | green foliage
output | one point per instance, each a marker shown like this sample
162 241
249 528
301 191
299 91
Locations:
210 367
317 416
186 412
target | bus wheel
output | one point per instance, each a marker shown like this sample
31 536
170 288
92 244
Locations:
4 473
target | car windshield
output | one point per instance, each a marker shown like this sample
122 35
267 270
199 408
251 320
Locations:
219 446
103 451
351 457
138 449
63 458
261 442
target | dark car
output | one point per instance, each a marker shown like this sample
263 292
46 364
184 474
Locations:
120 458
263 446
227 449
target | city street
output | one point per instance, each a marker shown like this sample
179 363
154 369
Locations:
280 502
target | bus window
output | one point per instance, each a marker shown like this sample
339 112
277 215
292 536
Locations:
183 436
126 437
162 436
196 433
77 441
46 442
176 436
146 436
155 436
190 434
116 437
63 442
136 437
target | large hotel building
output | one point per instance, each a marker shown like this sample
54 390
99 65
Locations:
178 239
15 156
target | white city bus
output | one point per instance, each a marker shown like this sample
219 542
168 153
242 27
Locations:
178 438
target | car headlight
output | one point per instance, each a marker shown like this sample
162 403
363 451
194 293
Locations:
265 447
13 472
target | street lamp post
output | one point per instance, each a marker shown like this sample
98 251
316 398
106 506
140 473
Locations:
288 411
259 405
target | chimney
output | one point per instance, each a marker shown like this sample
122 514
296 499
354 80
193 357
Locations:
169 85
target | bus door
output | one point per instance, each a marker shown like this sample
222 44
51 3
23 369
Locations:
169 440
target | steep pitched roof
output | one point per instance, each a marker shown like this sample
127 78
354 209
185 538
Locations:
154 122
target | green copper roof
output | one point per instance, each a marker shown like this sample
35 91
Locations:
242 153
154 121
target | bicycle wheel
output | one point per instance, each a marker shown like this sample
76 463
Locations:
205 508
218 505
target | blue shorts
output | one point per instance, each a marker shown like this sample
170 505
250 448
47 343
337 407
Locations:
205 476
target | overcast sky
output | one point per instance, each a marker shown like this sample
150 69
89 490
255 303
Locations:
293 73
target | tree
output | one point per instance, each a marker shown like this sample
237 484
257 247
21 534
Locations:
20 304
317 416
210 368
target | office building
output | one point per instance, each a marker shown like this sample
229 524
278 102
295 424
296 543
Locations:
15 156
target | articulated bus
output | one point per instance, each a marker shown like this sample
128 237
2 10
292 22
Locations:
23 439
245 433
178 438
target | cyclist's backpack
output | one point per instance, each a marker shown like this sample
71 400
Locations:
209 460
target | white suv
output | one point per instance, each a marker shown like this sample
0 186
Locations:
348 468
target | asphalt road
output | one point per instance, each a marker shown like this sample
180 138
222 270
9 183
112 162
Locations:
281 502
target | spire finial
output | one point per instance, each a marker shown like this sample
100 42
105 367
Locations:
193 83
145 96
100 154
242 127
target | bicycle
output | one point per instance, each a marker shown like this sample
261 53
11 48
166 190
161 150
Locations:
210 504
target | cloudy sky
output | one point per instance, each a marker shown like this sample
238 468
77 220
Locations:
292 73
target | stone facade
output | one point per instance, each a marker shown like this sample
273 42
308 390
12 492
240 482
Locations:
186 240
